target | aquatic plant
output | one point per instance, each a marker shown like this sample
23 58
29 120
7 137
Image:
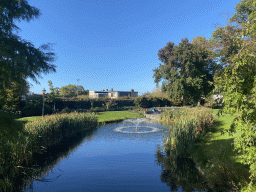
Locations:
18 142
186 126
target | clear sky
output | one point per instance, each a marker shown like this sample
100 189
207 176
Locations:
114 43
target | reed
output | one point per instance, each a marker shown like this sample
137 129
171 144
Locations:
186 126
53 128
18 141
182 137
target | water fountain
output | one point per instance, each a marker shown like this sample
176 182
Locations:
135 126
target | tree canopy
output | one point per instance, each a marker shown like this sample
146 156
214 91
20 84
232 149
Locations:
235 46
19 58
187 70
72 90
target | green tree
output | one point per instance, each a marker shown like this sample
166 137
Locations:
14 95
159 93
71 90
19 58
53 95
187 70
235 46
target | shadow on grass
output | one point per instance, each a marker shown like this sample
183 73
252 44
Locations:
216 157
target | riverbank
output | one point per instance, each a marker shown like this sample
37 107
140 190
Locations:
216 157
20 139
213 151
103 117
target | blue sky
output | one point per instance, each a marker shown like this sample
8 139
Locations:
114 43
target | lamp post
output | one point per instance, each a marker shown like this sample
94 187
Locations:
43 101
77 87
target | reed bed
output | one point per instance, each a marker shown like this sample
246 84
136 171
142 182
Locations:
18 141
186 126
53 128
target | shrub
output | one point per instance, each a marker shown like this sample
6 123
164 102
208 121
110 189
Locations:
144 102
65 110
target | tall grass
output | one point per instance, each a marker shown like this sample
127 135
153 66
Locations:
186 126
18 141
52 129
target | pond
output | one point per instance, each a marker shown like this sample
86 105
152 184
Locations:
113 157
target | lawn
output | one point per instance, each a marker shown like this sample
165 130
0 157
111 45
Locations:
29 118
117 115
215 154
102 116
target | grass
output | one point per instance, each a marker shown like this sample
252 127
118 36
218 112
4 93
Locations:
102 116
117 115
29 118
216 156
219 138
20 139
214 152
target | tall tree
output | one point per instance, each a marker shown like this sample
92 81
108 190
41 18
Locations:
53 96
187 70
71 90
19 59
14 95
235 44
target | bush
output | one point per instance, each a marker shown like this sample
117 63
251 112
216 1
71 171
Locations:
66 110
144 102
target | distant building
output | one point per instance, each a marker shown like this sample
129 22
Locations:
112 94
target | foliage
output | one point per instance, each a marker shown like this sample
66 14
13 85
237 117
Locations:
52 97
19 58
72 90
187 125
14 95
183 137
159 94
181 172
65 110
235 45
19 142
52 129
144 102
33 106
187 70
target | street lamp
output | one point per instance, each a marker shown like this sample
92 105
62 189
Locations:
77 87
43 101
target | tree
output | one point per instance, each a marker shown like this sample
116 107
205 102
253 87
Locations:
235 44
52 97
187 70
19 58
71 90
14 95
159 93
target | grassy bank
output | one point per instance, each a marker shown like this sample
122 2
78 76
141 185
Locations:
19 140
103 117
217 158
117 115
213 151
186 127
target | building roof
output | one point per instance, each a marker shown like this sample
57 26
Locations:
109 91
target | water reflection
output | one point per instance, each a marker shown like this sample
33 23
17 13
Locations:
180 172
43 163
105 160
